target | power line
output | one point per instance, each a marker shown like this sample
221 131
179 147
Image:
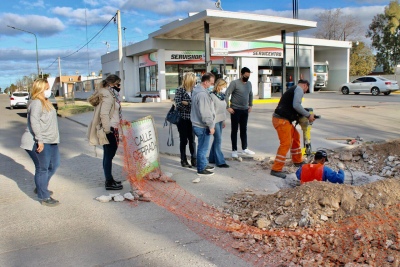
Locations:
112 19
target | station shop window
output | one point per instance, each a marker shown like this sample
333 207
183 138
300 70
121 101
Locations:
148 78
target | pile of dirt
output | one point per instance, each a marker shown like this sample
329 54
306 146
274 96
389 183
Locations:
371 208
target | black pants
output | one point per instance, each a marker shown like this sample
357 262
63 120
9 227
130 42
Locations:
240 117
109 152
186 136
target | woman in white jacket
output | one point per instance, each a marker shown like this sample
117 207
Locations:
216 156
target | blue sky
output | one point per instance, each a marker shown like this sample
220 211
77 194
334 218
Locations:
63 27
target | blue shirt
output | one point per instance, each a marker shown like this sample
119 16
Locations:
328 175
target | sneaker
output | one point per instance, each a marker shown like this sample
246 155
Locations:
248 152
278 174
234 154
210 168
117 182
205 173
51 202
35 191
299 164
113 186
223 166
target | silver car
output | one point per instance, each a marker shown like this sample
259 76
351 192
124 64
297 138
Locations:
370 84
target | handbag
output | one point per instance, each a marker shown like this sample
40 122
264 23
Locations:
173 117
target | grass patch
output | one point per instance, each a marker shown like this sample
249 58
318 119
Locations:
69 110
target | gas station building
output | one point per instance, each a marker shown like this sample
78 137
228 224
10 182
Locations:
223 42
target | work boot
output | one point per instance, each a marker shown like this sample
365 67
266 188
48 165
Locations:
185 164
278 174
194 162
299 164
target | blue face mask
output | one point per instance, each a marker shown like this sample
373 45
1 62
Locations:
211 88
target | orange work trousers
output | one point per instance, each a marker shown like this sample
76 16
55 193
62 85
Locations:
289 139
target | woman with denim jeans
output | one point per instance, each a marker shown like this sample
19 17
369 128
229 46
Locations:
216 156
41 139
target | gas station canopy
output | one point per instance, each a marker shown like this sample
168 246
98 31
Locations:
230 25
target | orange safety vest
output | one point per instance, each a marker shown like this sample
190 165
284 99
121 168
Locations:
311 172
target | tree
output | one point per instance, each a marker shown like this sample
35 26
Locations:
334 25
384 32
362 61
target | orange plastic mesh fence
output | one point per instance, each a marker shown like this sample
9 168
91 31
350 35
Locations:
371 239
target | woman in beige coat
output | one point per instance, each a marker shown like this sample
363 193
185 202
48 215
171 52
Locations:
103 130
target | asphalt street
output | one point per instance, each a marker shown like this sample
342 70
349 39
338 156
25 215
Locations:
84 232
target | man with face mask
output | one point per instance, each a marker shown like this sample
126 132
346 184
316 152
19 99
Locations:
202 115
240 94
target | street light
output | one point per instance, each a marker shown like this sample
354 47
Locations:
37 55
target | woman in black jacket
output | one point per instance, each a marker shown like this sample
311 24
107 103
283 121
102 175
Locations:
183 104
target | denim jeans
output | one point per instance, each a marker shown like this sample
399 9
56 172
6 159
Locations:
203 138
186 136
109 152
240 117
216 155
46 164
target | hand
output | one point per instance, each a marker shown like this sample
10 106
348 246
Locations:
311 118
185 103
212 131
40 147
340 165
223 125
250 108
231 111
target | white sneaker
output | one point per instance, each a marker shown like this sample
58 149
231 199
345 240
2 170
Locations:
248 152
234 154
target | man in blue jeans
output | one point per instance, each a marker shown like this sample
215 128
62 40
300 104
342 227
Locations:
202 115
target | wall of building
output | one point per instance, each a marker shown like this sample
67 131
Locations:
338 66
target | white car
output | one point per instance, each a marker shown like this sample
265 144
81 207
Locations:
370 84
19 99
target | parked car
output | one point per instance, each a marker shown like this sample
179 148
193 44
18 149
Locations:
370 84
19 99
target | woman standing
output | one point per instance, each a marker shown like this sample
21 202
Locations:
218 97
41 140
103 130
183 104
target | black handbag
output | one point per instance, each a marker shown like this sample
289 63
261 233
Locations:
173 117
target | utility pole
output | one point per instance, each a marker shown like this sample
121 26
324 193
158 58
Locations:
120 56
59 76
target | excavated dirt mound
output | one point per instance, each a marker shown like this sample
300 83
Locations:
356 221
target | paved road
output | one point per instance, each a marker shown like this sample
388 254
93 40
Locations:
84 232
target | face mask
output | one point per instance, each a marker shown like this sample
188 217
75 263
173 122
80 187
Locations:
223 90
211 88
47 93
245 79
116 88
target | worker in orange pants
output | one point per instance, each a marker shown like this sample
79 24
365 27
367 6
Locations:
289 109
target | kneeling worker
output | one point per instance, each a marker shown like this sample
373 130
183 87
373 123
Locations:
317 171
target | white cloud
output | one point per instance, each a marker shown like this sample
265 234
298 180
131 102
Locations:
138 30
40 25
160 22
31 5
167 7
91 2
82 16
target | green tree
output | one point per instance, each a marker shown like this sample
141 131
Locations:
362 60
384 32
